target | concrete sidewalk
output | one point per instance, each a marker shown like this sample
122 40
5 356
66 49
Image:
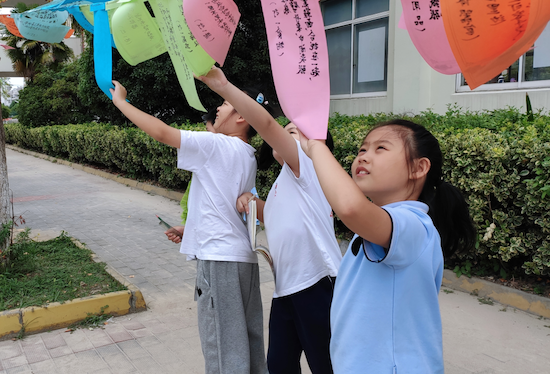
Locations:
118 223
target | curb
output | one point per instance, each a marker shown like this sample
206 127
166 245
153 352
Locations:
507 296
58 315
173 195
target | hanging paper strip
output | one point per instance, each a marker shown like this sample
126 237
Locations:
136 33
538 14
42 25
103 54
175 47
539 17
196 57
424 23
213 23
480 32
10 25
299 61
401 23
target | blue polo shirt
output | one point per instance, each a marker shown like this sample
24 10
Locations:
385 312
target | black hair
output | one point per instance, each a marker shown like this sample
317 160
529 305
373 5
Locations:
258 96
265 155
447 207
210 116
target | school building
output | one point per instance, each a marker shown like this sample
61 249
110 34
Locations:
375 67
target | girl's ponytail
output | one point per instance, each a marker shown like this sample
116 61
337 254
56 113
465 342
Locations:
450 215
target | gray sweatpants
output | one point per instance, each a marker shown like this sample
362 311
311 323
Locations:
230 317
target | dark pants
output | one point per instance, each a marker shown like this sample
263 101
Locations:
301 322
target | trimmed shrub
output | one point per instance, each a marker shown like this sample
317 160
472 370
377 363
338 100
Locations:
500 160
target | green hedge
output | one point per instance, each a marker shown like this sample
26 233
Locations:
500 160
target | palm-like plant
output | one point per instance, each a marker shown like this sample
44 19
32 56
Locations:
28 56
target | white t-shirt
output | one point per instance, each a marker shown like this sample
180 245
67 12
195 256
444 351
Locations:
300 230
224 167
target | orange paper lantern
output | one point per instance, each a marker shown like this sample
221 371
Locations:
487 36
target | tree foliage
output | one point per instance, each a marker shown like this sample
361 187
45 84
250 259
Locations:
5 87
52 99
14 108
5 111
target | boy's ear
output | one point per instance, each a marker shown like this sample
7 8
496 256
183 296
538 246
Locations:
422 167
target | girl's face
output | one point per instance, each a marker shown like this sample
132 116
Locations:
292 130
224 117
380 168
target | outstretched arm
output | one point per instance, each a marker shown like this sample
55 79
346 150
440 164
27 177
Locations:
357 212
157 129
276 136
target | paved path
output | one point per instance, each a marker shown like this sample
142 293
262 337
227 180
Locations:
118 223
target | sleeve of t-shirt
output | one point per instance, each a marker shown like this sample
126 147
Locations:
195 149
408 239
307 171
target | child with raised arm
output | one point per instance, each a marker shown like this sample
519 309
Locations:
176 232
300 233
227 287
385 313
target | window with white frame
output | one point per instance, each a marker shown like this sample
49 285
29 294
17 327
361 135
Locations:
532 70
357 38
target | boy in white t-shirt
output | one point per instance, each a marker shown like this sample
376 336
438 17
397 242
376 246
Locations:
300 232
228 286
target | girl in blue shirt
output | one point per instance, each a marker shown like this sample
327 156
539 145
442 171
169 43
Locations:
385 313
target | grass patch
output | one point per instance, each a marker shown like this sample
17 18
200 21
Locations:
56 270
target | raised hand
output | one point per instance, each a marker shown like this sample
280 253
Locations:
308 144
119 93
215 79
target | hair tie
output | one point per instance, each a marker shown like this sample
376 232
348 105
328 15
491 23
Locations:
260 98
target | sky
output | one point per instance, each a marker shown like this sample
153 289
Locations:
17 81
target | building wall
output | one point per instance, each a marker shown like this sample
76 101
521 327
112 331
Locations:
413 86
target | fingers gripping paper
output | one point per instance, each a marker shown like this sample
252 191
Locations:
299 61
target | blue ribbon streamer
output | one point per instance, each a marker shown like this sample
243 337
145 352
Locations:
103 54
83 21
